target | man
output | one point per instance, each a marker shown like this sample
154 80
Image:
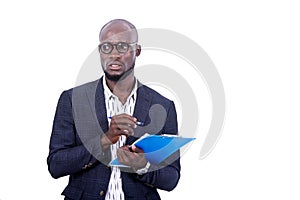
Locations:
96 122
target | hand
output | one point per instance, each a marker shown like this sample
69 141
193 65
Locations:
135 159
122 124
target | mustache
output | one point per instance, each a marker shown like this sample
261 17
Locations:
114 62
120 77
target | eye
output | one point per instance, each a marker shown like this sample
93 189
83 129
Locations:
122 47
106 47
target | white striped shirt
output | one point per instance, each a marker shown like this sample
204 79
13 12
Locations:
115 107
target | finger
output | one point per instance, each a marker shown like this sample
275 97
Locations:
124 115
126 130
138 150
125 147
127 125
119 132
115 130
124 119
125 122
122 156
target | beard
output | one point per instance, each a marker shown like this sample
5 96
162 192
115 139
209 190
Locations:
116 78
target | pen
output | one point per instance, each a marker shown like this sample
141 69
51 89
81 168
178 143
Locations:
137 123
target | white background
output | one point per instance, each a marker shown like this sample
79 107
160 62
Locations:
254 45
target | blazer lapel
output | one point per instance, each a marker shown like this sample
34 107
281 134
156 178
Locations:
100 106
143 103
141 111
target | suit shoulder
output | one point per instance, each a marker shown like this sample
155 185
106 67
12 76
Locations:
156 96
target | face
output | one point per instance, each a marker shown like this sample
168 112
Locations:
118 65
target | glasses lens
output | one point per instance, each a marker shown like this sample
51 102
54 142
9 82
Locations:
122 47
106 47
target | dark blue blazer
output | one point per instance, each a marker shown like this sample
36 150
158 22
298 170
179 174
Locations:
75 150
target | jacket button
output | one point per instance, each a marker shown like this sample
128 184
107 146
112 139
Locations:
85 167
102 193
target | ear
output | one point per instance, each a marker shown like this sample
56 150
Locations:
138 50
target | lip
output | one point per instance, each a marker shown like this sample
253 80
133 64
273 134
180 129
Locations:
115 66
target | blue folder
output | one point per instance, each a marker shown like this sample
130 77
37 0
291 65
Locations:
157 147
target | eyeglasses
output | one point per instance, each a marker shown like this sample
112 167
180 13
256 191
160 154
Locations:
122 47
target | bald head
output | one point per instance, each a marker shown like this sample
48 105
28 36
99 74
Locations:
118 29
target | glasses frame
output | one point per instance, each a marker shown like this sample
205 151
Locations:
114 45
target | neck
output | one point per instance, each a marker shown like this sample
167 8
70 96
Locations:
121 88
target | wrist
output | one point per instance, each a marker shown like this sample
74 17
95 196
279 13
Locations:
105 142
144 169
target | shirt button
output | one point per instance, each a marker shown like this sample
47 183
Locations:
101 193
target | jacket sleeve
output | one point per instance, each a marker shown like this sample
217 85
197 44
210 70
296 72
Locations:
166 175
67 154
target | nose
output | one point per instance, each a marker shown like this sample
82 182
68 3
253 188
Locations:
114 53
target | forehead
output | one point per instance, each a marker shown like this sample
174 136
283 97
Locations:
118 32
